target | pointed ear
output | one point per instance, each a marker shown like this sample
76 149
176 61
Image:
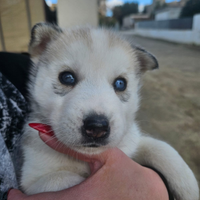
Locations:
146 60
41 35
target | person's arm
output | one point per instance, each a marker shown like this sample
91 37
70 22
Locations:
13 110
118 178
113 176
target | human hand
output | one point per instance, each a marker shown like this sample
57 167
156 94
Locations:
113 176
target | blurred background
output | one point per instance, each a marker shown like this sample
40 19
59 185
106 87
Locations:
170 106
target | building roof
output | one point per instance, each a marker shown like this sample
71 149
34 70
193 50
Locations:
140 16
168 9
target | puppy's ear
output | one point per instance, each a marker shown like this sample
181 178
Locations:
41 35
146 60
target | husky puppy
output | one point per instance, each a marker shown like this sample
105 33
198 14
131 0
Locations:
85 84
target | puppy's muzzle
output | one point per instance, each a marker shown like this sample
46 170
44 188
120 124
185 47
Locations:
96 127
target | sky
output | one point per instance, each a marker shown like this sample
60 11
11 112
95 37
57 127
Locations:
112 3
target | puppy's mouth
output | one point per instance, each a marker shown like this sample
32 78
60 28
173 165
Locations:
92 145
94 142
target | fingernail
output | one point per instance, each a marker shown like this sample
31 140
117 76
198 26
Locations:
42 128
95 166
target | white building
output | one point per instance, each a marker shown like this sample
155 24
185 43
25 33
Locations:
168 13
129 21
77 12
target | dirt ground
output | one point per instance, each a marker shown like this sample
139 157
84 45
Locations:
170 106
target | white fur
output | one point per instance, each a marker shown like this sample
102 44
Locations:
96 65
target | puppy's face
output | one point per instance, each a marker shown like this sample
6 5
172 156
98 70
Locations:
85 85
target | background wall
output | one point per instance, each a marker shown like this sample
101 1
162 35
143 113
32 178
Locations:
36 11
79 12
16 18
180 36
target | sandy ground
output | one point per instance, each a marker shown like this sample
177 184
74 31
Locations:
170 106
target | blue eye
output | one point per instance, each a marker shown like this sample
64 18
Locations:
120 84
67 78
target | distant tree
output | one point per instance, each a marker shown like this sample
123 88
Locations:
129 8
191 8
144 10
106 21
119 12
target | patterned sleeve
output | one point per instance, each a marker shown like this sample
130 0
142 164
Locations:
13 109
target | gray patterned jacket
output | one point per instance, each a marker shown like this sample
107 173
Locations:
13 109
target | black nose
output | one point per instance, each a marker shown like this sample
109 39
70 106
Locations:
96 127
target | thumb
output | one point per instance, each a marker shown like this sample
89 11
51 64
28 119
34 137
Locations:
15 194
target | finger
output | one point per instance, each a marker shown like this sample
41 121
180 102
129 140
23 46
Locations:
109 157
95 166
15 194
110 154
